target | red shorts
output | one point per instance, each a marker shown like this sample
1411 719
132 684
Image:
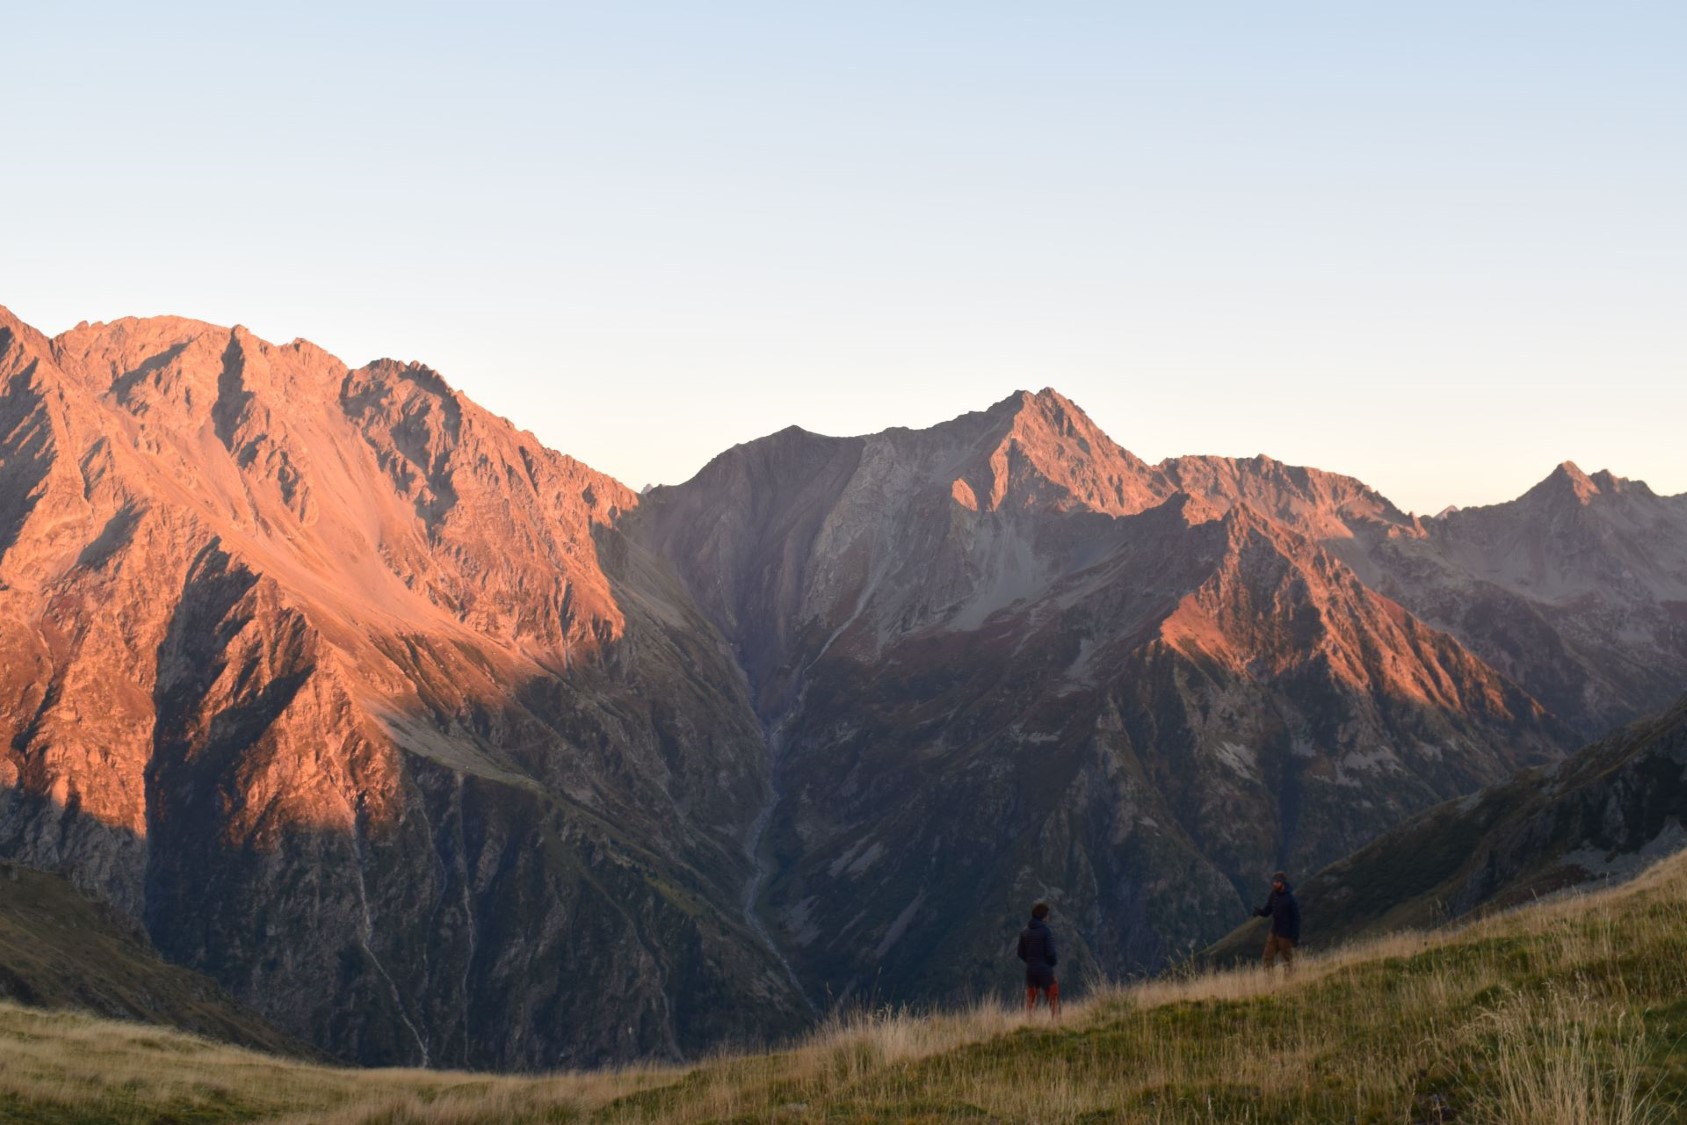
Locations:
1051 990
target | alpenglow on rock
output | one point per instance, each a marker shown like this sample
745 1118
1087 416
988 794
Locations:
435 746
354 695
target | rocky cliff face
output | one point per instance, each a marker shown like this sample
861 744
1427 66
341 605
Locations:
355 696
436 746
1004 659
1577 590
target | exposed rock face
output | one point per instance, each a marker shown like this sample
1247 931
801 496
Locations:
354 695
1604 813
1003 658
1577 590
436 746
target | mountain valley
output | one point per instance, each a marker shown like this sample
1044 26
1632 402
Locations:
438 748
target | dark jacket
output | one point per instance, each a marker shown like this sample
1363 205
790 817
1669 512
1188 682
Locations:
1283 911
1036 945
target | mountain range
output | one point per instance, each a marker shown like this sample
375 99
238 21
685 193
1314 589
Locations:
437 747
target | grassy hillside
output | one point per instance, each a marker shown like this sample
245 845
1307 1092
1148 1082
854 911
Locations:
1569 1011
61 949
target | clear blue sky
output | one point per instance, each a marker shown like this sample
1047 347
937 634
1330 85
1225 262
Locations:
1439 246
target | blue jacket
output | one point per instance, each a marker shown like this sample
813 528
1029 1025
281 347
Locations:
1283 911
1036 945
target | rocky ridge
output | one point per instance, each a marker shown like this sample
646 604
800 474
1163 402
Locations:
1577 590
353 694
1003 658
439 747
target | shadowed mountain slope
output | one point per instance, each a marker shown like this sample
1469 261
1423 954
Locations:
352 693
1602 814
60 949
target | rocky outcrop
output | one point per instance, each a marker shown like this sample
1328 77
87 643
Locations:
354 695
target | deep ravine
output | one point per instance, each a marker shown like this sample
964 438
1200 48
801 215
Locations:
761 867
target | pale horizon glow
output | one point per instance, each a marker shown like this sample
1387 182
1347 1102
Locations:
1440 249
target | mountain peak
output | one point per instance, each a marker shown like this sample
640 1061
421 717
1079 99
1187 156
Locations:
1022 400
13 330
1047 413
1610 483
1568 482
1572 472
1044 447
421 375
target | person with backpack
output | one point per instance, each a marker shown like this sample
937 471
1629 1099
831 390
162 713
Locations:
1036 949
1284 911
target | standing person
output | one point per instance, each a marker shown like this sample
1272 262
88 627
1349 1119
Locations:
1284 912
1036 949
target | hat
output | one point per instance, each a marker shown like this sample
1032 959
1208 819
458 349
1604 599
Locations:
1279 877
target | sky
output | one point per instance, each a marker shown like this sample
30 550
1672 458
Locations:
1440 247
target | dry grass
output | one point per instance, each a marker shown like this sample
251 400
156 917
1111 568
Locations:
1549 1069
72 1067
1570 1011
